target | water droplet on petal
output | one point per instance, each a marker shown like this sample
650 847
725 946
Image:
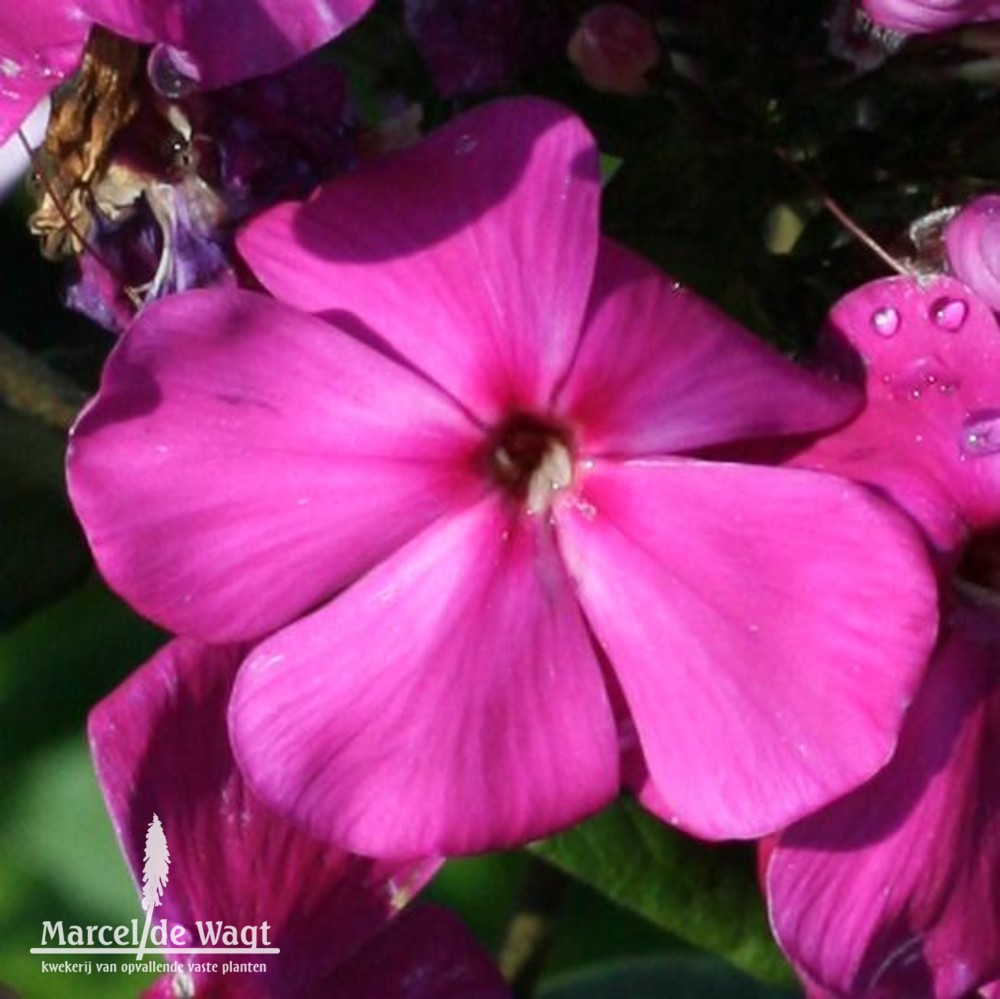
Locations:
981 433
9 68
464 145
885 321
949 314
172 73
921 376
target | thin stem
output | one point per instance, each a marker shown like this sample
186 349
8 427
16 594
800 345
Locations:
834 208
43 178
31 387
532 927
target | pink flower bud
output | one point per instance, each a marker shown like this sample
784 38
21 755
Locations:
972 240
614 48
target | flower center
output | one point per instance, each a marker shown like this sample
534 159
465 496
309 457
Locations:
531 459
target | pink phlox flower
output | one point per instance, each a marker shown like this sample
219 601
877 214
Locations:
914 17
160 747
211 43
464 500
972 243
895 890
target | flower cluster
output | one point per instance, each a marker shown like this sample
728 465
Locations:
467 519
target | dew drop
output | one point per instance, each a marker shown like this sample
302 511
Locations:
9 68
464 145
981 433
885 321
949 314
922 376
172 73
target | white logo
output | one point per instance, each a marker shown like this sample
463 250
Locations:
210 937
156 863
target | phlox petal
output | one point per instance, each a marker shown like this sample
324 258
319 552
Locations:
661 370
16 152
922 16
242 462
470 254
747 616
40 45
160 746
428 954
894 890
972 239
449 702
227 42
930 431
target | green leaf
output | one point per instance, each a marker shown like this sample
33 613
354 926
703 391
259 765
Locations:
704 894
680 976
42 552
59 860
610 165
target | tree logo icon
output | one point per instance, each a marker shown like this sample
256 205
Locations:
156 864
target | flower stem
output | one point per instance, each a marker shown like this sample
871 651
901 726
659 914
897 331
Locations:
532 927
834 208
31 387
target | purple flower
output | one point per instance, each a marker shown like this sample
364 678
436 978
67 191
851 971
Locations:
972 242
895 890
160 747
465 497
212 42
165 222
914 17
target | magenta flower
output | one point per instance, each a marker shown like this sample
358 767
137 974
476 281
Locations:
40 45
215 42
160 747
251 145
15 158
972 242
914 17
466 498
895 890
